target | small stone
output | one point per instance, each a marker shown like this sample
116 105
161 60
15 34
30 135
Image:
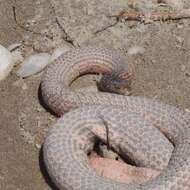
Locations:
180 26
34 64
6 62
24 86
39 109
51 118
38 146
179 39
183 68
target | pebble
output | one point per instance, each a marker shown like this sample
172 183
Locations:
24 86
180 26
6 62
38 146
33 64
183 68
179 39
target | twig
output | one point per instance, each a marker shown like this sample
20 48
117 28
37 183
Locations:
25 28
152 16
107 132
106 27
147 18
66 36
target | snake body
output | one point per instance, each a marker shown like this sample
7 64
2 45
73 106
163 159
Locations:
136 127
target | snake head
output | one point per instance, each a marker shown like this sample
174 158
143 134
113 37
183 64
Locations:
116 82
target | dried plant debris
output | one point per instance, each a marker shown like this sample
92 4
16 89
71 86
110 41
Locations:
152 16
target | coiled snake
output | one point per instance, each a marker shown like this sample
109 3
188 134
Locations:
136 127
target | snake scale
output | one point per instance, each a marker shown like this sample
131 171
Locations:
138 127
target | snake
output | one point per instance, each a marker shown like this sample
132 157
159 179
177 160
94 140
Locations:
147 132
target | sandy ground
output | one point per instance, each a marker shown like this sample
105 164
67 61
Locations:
161 72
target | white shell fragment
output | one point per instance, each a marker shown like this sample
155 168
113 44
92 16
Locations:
6 63
34 64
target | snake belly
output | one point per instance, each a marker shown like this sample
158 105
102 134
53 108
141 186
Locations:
136 127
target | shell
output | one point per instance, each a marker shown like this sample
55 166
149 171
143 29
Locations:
33 64
6 62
